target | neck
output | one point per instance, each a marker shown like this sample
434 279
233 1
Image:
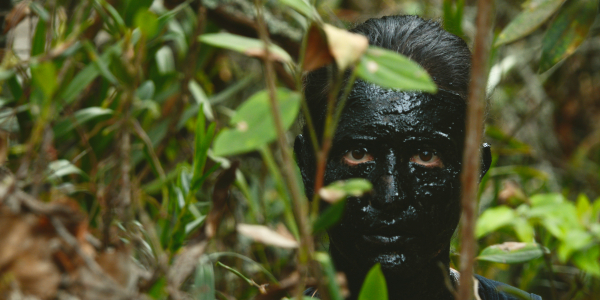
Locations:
427 281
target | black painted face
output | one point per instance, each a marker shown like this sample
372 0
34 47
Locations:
409 145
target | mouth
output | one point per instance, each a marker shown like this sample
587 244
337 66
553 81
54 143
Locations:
387 235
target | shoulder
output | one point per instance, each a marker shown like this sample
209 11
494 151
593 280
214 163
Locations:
494 290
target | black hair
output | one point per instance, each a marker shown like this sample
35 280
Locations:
445 56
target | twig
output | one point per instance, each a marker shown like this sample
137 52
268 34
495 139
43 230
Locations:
471 155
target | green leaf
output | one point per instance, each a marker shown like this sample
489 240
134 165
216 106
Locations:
584 209
494 218
78 118
329 278
341 189
146 90
38 44
40 11
6 74
374 287
201 99
164 60
528 20
99 62
147 21
588 260
574 240
567 32
393 70
204 281
44 77
453 16
254 125
248 46
79 83
524 230
204 138
511 252
330 216
303 7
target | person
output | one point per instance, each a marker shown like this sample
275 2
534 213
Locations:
409 145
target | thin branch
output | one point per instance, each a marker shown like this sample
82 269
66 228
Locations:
471 156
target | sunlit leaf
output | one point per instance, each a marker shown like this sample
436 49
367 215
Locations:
494 218
528 20
511 252
146 90
340 189
254 125
392 70
6 74
248 46
329 217
266 235
164 60
374 286
568 30
63 167
523 229
589 260
574 240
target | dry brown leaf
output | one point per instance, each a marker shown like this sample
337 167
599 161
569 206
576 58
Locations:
16 15
345 47
333 44
317 51
331 195
260 53
266 235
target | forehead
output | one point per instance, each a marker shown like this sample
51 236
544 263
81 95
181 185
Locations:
376 112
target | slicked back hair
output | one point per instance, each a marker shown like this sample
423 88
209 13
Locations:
445 56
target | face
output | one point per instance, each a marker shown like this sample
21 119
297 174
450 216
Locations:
409 146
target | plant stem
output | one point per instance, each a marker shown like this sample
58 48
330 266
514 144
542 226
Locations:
471 155
300 207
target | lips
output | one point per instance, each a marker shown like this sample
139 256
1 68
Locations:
388 235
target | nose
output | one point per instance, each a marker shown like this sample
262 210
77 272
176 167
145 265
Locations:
388 188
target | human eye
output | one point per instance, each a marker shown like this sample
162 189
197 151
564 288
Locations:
428 158
357 156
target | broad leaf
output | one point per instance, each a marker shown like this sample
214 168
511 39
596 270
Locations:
330 216
494 218
567 32
254 125
44 77
511 252
374 287
528 20
248 46
393 70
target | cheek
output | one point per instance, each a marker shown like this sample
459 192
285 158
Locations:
437 192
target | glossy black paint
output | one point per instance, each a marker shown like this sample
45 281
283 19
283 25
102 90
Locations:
406 223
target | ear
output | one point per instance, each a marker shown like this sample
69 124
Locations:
486 159
306 163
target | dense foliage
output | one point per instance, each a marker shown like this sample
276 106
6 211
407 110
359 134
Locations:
146 145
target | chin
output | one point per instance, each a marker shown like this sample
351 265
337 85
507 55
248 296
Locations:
397 265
